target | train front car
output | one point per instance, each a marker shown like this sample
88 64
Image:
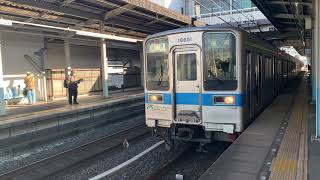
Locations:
192 84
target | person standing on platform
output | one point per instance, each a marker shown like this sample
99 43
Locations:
29 81
72 85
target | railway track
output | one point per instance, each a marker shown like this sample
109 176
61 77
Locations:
190 164
50 165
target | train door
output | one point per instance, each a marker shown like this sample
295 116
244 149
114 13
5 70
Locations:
187 79
249 85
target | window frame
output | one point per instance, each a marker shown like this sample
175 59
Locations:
167 52
196 68
204 64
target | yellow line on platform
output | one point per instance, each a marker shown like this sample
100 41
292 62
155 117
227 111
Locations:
290 162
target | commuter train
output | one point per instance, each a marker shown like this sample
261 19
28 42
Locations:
205 83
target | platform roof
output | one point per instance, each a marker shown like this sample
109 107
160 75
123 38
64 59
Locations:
128 18
290 19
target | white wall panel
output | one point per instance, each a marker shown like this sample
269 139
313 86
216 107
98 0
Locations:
15 46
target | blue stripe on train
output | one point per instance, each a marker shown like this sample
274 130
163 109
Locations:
187 98
193 98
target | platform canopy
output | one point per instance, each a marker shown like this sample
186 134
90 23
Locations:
291 18
126 18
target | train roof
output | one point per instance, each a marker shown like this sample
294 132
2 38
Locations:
192 29
213 28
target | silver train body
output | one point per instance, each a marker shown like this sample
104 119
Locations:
208 83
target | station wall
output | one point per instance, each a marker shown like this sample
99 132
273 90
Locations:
26 53
17 52
15 47
81 56
86 56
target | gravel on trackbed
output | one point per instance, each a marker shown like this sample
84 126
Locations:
192 164
148 164
12 161
141 169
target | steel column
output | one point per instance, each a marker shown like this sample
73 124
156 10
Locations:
67 56
142 68
104 66
2 103
313 64
317 65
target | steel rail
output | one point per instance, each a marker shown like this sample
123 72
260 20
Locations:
65 159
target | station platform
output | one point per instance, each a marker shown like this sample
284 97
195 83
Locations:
277 145
13 111
26 119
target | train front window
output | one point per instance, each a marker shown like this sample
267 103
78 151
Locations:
187 67
157 65
220 72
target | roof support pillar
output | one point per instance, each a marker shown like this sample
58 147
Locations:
104 62
317 65
313 65
2 103
104 66
142 68
67 57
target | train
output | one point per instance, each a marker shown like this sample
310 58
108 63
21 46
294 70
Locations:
206 83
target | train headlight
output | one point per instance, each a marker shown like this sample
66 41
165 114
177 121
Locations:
224 100
155 98
229 100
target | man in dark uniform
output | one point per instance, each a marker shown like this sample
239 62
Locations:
72 84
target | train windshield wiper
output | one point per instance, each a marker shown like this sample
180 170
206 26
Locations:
160 77
215 77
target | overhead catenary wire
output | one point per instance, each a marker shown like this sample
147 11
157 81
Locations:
295 21
234 1
242 13
213 13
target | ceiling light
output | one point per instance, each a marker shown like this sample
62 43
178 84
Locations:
5 22
105 36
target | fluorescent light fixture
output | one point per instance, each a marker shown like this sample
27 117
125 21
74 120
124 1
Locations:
5 22
105 36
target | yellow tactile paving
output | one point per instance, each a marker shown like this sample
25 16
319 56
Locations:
289 163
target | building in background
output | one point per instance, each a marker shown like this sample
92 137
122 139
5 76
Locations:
241 13
176 5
